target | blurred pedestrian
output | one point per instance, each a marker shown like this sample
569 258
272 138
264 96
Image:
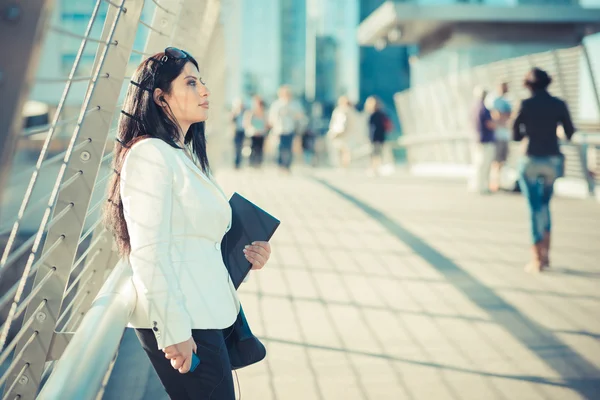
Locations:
379 125
318 126
309 140
537 120
483 148
256 125
285 117
237 118
500 110
342 128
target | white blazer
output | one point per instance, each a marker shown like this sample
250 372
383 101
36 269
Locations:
176 217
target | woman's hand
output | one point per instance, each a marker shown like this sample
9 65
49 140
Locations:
258 254
180 355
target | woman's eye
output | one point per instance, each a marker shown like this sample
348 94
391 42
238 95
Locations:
192 83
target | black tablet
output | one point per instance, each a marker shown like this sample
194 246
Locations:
249 223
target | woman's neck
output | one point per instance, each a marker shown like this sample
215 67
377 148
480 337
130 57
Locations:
184 128
538 91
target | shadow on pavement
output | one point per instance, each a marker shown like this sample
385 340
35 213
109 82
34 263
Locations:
579 374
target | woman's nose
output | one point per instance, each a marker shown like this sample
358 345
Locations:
204 92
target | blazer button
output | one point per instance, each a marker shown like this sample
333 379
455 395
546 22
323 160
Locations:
218 246
155 329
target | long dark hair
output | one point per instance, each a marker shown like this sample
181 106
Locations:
537 79
142 118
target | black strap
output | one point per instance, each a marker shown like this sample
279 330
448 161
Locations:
134 83
133 117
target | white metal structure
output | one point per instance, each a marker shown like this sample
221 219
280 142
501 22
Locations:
50 277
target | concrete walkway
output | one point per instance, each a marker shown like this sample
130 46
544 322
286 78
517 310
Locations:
404 288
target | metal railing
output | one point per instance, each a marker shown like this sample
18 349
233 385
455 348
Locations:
56 254
436 116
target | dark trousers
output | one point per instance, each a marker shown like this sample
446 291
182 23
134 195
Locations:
238 142
257 145
286 141
212 379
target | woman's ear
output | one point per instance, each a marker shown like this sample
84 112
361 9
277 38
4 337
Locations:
159 97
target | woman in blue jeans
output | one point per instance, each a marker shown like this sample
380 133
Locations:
537 120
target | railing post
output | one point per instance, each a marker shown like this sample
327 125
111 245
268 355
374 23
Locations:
23 22
583 158
73 200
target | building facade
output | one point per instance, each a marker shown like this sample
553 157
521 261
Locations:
332 24
292 28
383 72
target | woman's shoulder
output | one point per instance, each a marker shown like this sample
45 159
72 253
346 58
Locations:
151 145
149 150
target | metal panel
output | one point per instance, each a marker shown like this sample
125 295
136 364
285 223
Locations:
82 160
166 18
24 23
102 258
593 77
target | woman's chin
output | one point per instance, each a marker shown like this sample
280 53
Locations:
202 118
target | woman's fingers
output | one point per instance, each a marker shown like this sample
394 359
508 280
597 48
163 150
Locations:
258 254
171 353
265 245
185 368
257 260
177 362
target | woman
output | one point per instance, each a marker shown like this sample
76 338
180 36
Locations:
537 120
378 126
239 136
341 132
256 126
168 217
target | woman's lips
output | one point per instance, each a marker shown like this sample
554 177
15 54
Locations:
204 105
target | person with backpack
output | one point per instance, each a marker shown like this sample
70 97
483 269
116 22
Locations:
379 126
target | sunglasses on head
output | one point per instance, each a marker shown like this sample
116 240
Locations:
174 53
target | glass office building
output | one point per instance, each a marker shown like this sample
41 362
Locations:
383 72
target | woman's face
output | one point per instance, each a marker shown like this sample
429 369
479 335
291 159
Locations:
189 96
371 105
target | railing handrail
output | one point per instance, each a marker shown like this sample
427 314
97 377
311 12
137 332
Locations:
79 373
591 138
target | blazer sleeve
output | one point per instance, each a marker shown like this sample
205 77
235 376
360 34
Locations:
146 193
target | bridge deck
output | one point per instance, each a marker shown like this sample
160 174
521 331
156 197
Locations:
399 288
